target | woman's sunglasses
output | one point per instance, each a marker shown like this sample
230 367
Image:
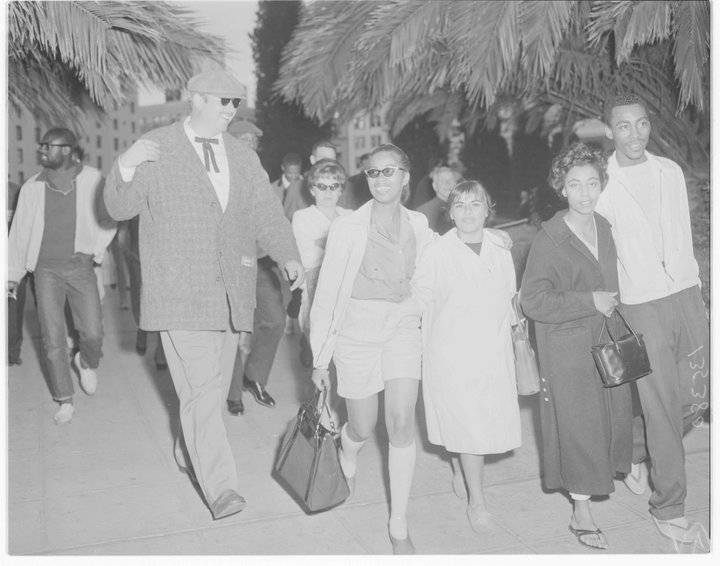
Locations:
388 171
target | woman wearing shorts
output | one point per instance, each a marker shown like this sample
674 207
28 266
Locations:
362 317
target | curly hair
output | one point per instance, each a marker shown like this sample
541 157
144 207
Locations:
576 154
326 167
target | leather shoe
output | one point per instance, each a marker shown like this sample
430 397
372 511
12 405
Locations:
228 503
235 407
259 392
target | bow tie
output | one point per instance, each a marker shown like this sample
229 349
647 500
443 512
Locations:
208 152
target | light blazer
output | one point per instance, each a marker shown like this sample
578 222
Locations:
344 253
195 258
641 272
92 236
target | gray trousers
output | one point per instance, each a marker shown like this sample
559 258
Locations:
268 327
200 363
675 395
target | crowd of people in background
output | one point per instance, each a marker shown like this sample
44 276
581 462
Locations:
387 299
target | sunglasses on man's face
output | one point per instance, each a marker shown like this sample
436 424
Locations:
235 101
388 171
323 187
46 146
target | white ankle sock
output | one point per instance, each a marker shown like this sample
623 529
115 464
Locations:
401 464
349 449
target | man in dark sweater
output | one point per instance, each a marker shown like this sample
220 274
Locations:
58 234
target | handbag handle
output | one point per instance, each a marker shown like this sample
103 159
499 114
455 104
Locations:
320 406
606 327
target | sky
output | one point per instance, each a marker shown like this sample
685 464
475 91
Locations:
233 21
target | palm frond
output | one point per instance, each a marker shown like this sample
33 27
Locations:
108 48
542 27
692 49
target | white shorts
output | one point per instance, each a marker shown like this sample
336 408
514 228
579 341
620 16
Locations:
379 341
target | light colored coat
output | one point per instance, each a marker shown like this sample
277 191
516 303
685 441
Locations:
344 253
195 258
641 274
92 236
469 386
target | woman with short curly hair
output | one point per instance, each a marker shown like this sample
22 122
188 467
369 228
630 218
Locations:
569 289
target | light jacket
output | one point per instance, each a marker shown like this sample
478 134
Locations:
641 273
344 253
92 236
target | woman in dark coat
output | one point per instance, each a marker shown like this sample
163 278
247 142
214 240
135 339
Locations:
569 287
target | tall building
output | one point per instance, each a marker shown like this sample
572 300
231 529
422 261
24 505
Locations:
359 136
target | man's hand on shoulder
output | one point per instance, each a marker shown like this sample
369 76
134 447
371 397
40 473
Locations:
295 273
141 151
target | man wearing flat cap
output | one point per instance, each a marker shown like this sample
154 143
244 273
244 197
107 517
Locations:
204 203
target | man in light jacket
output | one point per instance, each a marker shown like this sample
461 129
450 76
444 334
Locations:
646 203
205 203
57 233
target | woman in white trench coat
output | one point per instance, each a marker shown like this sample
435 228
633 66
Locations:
465 282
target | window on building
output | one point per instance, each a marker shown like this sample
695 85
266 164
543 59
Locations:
21 177
97 125
360 142
37 135
99 161
375 119
18 133
98 142
358 162
20 155
132 127
115 106
115 124
375 141
116 144
359 122
132 108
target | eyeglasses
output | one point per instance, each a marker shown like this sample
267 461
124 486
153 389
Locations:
235 101
49 145
323 187
389 171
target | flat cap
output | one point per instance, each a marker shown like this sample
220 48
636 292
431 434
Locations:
219 83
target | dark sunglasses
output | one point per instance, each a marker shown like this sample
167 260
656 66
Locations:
49 145
235 101
387 172
323 187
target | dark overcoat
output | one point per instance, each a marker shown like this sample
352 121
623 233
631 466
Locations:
586 428
199 262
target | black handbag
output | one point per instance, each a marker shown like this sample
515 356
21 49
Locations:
623 360
307 464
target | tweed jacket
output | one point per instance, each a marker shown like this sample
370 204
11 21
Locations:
196 260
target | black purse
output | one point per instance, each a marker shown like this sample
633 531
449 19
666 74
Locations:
307 464
623 360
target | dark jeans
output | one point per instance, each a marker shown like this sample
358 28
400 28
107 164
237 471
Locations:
16 307
73 281
268 327
675 395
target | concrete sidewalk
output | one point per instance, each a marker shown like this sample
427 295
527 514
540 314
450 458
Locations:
107 483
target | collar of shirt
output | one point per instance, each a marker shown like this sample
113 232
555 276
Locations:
60 180
191 134
285 181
